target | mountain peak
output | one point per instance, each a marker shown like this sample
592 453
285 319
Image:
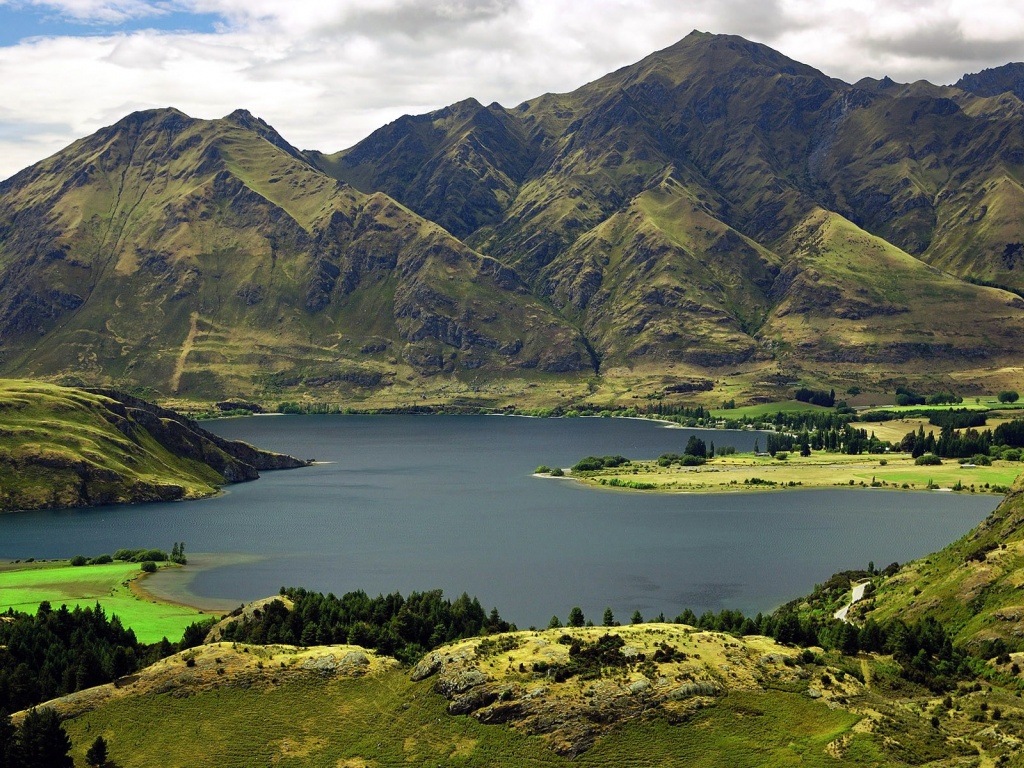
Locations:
243 118
995 81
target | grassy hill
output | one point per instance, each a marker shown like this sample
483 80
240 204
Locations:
64 447
677 695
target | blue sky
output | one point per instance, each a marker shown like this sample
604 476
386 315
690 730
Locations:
22 20
326 73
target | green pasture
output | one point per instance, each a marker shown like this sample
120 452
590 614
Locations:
23 586
766 409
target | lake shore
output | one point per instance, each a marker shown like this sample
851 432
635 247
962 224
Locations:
172 586
746 473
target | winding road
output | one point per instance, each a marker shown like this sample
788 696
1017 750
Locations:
858 594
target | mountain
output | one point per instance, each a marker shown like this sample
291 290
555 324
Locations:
197 257
714 210
718 202
63 447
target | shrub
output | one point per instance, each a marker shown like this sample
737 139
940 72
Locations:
557 472
1008 396
543 469
928 459
149 566
101 560
781 455
79 560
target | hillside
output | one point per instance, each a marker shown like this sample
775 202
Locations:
716 210
664 694
207 257
972 586
62 447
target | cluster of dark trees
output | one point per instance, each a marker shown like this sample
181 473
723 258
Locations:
837 439
816 397
923 650
906 396
957 445
594 463
40 741
403 627
60 651
696 453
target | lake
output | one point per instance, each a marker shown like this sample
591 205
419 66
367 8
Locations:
404 503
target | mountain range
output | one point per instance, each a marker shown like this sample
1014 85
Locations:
715 212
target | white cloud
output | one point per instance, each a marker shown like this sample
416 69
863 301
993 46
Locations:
327 73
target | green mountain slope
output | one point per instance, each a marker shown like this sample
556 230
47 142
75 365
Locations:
62 447
973 586
203 257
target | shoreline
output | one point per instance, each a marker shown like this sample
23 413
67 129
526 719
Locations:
172 586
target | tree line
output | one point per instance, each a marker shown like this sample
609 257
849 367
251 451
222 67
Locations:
403 627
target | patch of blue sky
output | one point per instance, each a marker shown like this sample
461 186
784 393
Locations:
19 22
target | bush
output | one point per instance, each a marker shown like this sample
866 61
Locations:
1013 454
149 566
557 472
101 560
1008 396
928 460
79 560
543 469
781 455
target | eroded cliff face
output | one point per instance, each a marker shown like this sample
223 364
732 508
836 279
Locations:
62 447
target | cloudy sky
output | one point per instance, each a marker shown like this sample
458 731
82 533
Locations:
327 72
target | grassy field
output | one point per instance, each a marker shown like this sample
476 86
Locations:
24 585
741 471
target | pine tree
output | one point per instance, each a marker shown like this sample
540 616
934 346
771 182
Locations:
609 618
43 742
576 617
97 754
7 741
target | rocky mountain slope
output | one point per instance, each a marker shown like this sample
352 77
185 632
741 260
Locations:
716 205
62 447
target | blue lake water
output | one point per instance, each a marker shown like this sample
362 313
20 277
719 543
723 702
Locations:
421 502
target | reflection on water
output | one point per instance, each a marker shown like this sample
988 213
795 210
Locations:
421 502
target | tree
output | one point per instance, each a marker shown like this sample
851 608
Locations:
7 742
43 742
576 617
1008 396
636 618
555 623
97 754
609 618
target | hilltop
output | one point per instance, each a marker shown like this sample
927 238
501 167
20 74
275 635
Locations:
64 447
